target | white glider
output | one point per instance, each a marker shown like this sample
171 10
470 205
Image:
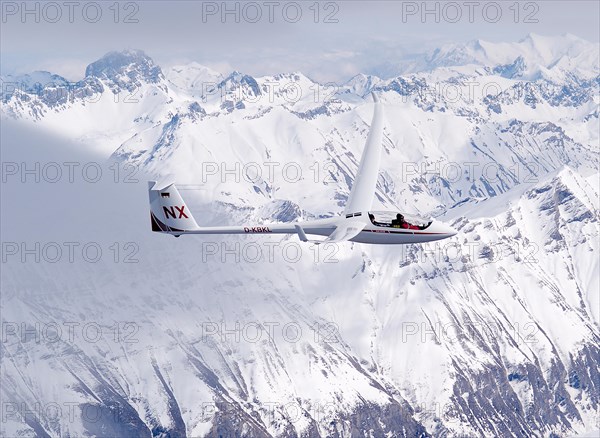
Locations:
170 214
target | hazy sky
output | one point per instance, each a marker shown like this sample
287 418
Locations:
326 40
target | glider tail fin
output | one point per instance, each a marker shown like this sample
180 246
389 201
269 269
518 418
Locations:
168 211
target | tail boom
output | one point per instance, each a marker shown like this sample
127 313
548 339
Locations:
169 214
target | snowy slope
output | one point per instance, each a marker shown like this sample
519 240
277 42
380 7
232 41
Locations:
495 332
532 56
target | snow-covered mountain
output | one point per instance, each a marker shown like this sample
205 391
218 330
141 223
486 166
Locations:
533 56
193 78
496 333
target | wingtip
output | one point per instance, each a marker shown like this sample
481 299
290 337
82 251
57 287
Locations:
375 98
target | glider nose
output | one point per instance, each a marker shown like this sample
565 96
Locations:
447 229
444 230
450 231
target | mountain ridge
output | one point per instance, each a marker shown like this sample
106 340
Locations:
494 332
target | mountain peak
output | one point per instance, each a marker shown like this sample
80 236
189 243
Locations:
193 77
127 68
538 38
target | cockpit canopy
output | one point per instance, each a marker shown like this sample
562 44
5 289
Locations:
398 220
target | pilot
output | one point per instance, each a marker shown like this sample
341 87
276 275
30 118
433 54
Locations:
399 222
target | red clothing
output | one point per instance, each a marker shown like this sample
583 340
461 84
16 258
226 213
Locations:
408 226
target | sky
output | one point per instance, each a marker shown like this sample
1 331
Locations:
329 40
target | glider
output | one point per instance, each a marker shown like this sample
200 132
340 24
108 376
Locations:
170 214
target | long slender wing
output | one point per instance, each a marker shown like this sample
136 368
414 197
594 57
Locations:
343 232
363 189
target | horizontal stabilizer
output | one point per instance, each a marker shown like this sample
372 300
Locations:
162 183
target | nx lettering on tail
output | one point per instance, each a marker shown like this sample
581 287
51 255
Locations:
175 212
